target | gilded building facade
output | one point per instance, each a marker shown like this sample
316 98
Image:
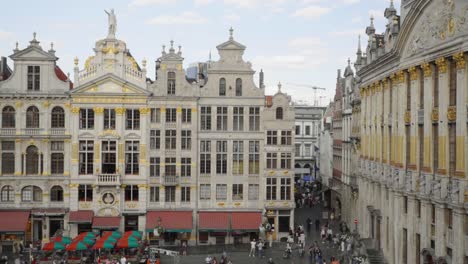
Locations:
412 199
205 161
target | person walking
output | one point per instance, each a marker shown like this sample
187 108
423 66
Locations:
317 225
309 225
260 249
253 244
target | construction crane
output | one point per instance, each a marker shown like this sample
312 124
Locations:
312 87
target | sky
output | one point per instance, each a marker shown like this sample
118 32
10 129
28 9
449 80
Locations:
299 43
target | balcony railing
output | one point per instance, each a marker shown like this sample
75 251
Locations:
57 131
170 180
32 131
108 179
8 131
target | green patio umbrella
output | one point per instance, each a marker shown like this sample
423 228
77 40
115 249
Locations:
61 239
51 246
76 246
101 244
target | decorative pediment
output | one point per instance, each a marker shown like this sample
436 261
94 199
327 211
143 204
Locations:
109 134
86 135
110 85
230 45
33 53
132 136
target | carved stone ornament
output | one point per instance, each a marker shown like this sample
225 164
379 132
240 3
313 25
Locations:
427 69
442 65
407 117
460 60
98 110
442 20
75 110
119 110
435 115
452 113
413 73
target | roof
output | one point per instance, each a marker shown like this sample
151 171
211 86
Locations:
106 222
5 71
172 221
13 221
84 216
246 220
213 221
61 75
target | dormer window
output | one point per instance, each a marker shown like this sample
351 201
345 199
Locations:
171 82
34 78
279 113
238 87
222 87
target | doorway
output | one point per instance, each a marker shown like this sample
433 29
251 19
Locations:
37 230
54 226
131 222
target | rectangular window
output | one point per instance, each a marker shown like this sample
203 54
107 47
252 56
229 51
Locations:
238 157
237 192
205 191
186 167
405 204
405 246
155 115
453 84
272 137
155 167
109 119
254 157
8 157
221 118
154 194
205 118
285 162
297 150
253 192
186 139
170 168
155 139
132 155
34 78
221 191
307 150
254 118
285 189
57 157
86 118
435 146
86 153
418 208
205 157
449 218
171 115
271 188
170 194
85 193
185 194
221 157
171 83
186 115
132 119
171 136
298 130
286 138
109 156
452 138
271 162
238 118
131 193
307 130
435 91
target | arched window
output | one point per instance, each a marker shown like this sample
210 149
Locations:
171 82
31 194
238 87
279 113
32 160
8 193
8 117
222 87
56 194
32 117
58 117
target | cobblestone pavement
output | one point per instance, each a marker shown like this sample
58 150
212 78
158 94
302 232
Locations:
276 253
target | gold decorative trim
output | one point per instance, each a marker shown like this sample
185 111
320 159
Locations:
435 114
67 104
221 204
144 110
75 110
413 73
427 69
452 113
460 60
119 110
441 64
401 76
98 110
18 104
46 103
179 109
385 83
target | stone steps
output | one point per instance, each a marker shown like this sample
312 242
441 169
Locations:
375 256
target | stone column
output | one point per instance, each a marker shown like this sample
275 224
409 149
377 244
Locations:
440 231
397 228
443 161
46 170
461 114
120 129
428 137
458 225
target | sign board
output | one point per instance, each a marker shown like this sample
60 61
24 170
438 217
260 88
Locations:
307 178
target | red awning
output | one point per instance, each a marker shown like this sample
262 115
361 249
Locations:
13 221
84 216
106 222
246 220
172 221
213 221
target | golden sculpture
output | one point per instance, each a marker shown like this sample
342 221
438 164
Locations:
452 113
442 65
460 60
427 69
435 114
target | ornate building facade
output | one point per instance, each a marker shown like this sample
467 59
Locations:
412 198
206 162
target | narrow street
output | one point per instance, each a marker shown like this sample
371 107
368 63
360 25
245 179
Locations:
277 251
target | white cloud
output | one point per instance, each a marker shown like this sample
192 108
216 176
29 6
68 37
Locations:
232 17
150 2
347 33
187 17
203 2
311 11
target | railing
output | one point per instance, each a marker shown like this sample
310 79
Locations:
57 131
8 131
131 72
32 131
108 179
170 180
87 73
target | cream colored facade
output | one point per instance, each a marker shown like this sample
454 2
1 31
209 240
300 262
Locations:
131 145
413 159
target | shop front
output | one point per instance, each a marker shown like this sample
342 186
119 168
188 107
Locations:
245 226
213 228
166 228
14 226
106 223
46 223
281 221
80 221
